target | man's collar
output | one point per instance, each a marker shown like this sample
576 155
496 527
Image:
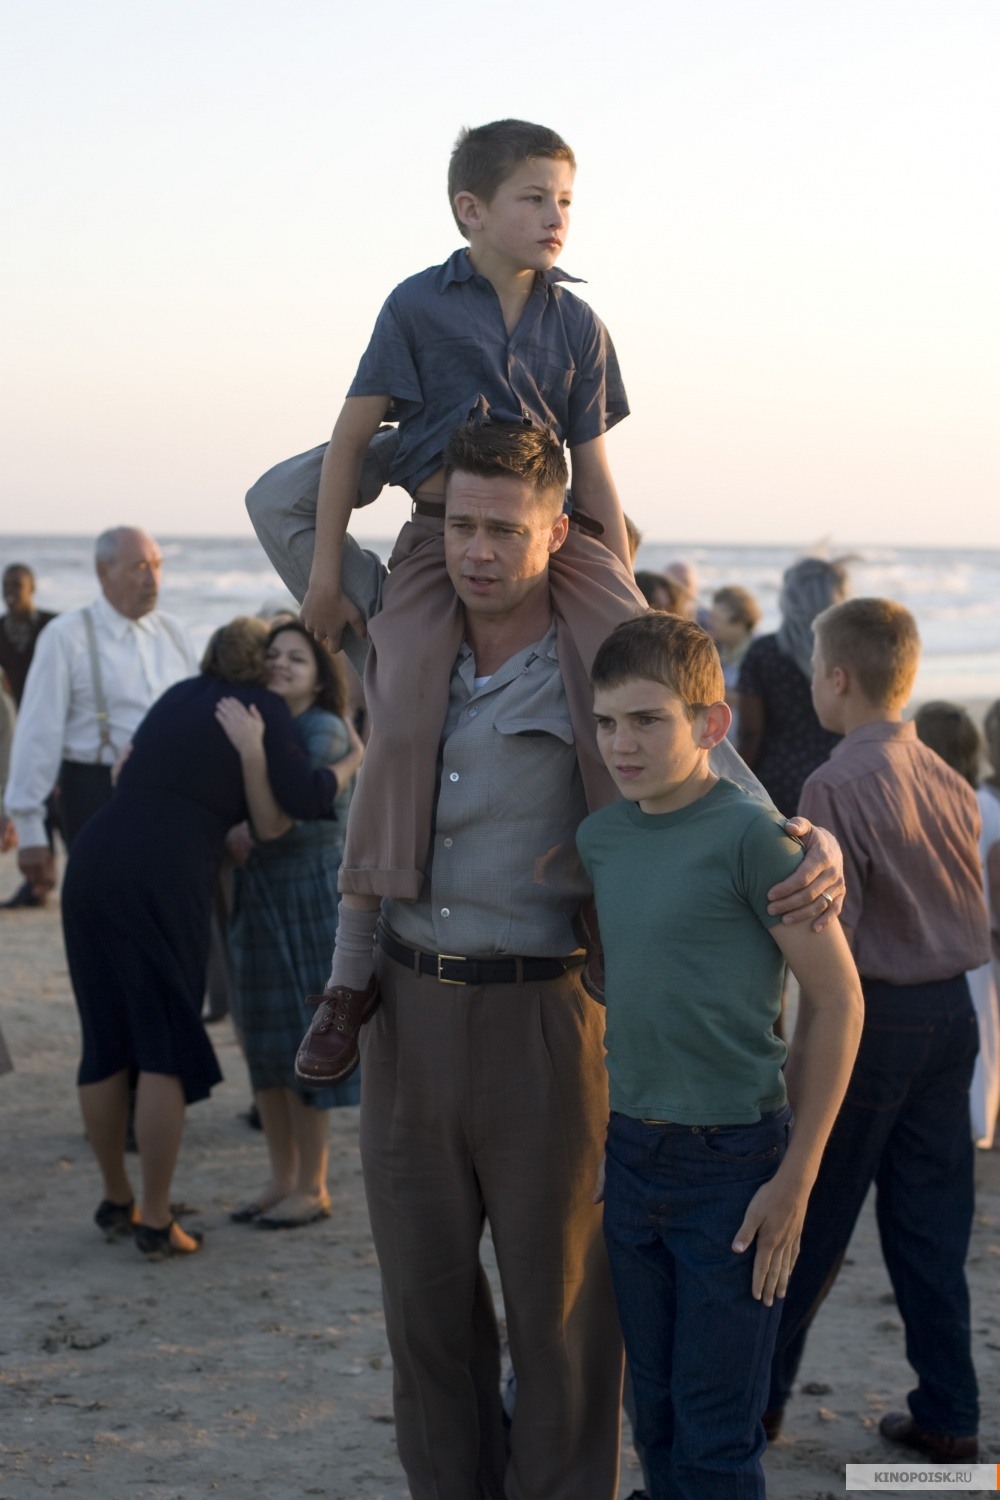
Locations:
117 624
458 267
546 647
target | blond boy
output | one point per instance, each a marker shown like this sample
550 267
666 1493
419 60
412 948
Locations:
916 921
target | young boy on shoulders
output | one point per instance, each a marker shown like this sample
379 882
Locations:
916 920
492 327
707 1179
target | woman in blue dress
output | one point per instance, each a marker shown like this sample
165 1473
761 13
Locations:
136 906
281 937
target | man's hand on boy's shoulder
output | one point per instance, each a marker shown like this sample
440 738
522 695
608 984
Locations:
774 1218
815 891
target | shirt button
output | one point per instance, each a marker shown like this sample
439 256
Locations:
446 911
453 776
448 843
473 712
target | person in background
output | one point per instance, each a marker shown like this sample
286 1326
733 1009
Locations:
19 630
136 909
20 627
952 734
658 591
734 616
95 672
916 921
684 578
634 538
780 737
283 925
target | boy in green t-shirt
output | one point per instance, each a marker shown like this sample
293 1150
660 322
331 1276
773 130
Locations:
702 1159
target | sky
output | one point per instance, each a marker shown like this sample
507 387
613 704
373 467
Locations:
786 212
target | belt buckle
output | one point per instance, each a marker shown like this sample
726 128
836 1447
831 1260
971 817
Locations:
454 958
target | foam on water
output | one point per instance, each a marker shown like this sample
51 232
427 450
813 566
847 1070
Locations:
955 594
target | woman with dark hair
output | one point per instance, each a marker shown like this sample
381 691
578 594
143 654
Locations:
780 737
281 937
136 904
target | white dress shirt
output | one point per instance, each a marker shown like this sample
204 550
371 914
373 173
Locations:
57 720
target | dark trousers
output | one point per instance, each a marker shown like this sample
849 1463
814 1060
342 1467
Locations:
698 1343
83 790
904 1125
490 1102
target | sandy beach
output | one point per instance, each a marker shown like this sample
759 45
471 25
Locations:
260 1367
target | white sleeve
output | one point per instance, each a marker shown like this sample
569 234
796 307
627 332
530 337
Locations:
37 750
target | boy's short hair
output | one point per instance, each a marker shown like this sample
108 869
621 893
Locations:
485 156
494 450
739 603
667 649
951 733
878 641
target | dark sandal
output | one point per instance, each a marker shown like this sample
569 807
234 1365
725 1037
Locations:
115 1219
156 1244
247 1213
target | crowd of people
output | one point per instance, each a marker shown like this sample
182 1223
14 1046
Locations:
596 817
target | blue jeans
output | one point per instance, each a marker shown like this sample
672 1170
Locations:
904 1125
698 1344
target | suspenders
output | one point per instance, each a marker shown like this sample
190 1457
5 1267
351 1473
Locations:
99 698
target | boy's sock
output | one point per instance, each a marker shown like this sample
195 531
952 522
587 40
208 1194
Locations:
354 948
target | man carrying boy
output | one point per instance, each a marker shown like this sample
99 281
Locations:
702 1159
916 921
484 1090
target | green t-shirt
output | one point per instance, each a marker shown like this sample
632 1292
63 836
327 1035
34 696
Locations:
693 977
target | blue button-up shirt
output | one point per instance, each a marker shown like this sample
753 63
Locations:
441 349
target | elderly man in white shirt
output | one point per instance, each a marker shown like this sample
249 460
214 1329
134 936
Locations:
95 672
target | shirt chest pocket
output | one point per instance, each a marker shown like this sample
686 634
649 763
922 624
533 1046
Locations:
452 372
533 758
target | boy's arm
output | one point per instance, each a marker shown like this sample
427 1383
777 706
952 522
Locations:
326 609
594 492
818 1070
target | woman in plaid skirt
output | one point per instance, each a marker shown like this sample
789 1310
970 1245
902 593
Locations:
283 925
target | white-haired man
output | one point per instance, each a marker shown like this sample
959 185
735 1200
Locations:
95 672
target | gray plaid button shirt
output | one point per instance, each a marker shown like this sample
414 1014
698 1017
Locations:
503 875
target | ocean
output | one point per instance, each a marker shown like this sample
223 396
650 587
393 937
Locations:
954 593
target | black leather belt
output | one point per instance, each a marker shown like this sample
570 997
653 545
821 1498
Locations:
577 518
452 968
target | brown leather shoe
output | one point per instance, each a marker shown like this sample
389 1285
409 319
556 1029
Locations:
329 1050
899 1427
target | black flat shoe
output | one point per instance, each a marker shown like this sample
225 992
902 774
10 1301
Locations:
159 1244
298 1221
23 896
116 1219
246 1213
